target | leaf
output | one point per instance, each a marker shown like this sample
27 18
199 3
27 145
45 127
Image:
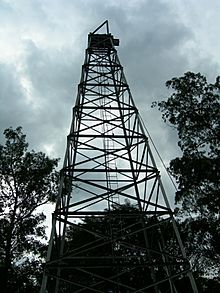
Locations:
28 179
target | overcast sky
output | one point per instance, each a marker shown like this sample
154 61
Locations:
42 45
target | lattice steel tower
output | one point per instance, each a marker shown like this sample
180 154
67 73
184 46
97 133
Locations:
113 229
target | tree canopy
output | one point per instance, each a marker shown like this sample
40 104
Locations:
193 109
107 252
28 180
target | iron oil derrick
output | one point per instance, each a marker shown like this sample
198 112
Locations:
113 229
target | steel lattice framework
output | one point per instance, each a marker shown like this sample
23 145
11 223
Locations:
113 229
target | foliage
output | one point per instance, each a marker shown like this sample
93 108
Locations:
107 253
193 109
28 180
202 242
92 238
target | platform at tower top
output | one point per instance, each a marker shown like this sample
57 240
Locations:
102 41
98 39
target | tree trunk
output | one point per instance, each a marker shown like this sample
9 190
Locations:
6 267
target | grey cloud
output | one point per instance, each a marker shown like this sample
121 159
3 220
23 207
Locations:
153 48
14 107
51 75
155 45
5 8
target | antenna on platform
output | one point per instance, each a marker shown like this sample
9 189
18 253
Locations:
105 23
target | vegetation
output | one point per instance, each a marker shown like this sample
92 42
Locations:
108 253
28 180
193 109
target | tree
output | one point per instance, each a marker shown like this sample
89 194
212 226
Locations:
28 180
193 109
107 253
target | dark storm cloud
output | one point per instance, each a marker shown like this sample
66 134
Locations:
51 75
151 41
153 50
13 104
51 37
42 50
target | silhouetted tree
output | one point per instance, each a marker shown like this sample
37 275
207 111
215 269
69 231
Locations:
28 180
108 253
193 109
